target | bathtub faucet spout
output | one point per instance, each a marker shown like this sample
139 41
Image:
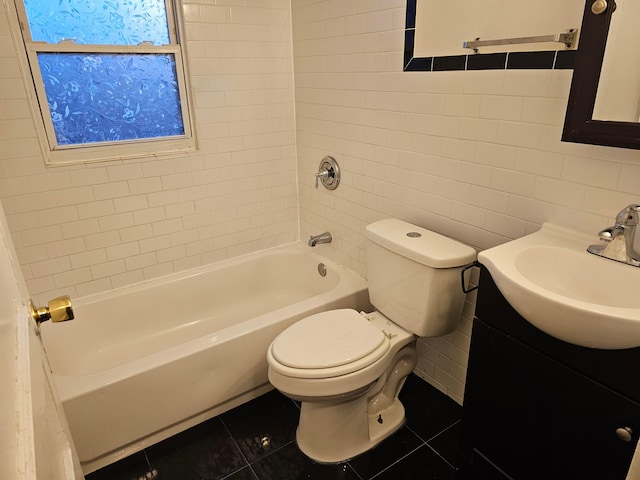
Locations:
322 238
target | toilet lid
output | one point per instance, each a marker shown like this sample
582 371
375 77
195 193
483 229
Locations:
328 339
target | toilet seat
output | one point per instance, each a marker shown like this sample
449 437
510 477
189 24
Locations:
328 344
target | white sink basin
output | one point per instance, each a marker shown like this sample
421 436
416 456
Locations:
550 279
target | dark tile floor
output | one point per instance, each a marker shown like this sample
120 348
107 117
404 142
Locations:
257 441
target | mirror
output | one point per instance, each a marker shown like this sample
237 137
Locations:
604 101
618 96
437 31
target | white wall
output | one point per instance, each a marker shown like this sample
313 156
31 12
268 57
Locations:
79 230
474 155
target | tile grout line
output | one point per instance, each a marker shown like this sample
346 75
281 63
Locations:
146 457
434 435
268 455
445 429
235 442
436 451
398 460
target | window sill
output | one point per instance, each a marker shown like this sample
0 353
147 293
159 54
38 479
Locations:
123 151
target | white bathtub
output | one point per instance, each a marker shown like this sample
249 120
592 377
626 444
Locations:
142 363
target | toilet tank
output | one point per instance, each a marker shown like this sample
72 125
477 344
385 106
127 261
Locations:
414 276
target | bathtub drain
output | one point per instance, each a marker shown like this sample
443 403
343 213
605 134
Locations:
322 270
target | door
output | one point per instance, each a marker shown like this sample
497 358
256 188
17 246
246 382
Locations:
34 437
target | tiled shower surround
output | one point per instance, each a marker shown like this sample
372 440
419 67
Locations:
277 85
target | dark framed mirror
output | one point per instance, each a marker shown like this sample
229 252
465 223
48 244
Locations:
581 124
446 53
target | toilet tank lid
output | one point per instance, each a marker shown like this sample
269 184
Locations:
419 244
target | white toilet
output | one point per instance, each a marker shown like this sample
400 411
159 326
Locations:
347 368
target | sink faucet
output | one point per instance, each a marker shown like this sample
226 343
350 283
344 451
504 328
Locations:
322 238
618 239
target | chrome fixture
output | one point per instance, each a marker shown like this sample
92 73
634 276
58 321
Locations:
328 173
57 310
322 238
322 269
568 38
618 239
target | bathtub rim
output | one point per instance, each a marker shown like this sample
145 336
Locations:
296 246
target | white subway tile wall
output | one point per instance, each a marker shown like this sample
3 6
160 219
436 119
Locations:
473 155
89 228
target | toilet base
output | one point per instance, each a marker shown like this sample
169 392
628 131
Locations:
336 433
331 431
386 422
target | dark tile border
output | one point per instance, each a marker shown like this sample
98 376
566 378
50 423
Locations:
453 62
487 61
531 60
565 59
542 60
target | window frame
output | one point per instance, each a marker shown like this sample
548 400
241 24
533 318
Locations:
55 154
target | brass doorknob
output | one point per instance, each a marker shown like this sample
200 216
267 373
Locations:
57 310
624 434
598 7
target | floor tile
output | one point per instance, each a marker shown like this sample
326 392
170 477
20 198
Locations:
446 444
263 425
133 467
289 463
206 451
389 451
480 470
245 474
421 464
428 411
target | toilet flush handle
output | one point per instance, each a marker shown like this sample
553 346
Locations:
466 290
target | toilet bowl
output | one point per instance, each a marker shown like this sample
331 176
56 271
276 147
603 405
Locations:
362 373
347 367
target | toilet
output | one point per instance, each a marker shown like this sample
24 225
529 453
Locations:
347 367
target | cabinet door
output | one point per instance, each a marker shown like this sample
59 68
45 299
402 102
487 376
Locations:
535 418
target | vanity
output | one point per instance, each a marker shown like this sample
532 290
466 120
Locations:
537 406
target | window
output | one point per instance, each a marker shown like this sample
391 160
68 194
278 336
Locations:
109 77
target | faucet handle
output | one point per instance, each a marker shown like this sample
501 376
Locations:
628 216
321 174
606 235
328 173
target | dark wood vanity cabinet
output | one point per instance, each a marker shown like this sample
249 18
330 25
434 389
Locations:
536 407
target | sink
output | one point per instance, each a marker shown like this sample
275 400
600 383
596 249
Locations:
550 280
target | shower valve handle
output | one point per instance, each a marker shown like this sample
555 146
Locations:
328 173
319 175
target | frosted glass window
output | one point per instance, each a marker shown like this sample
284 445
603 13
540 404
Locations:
98 22
111 97
109 77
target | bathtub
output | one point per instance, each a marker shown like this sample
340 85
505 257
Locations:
144 362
